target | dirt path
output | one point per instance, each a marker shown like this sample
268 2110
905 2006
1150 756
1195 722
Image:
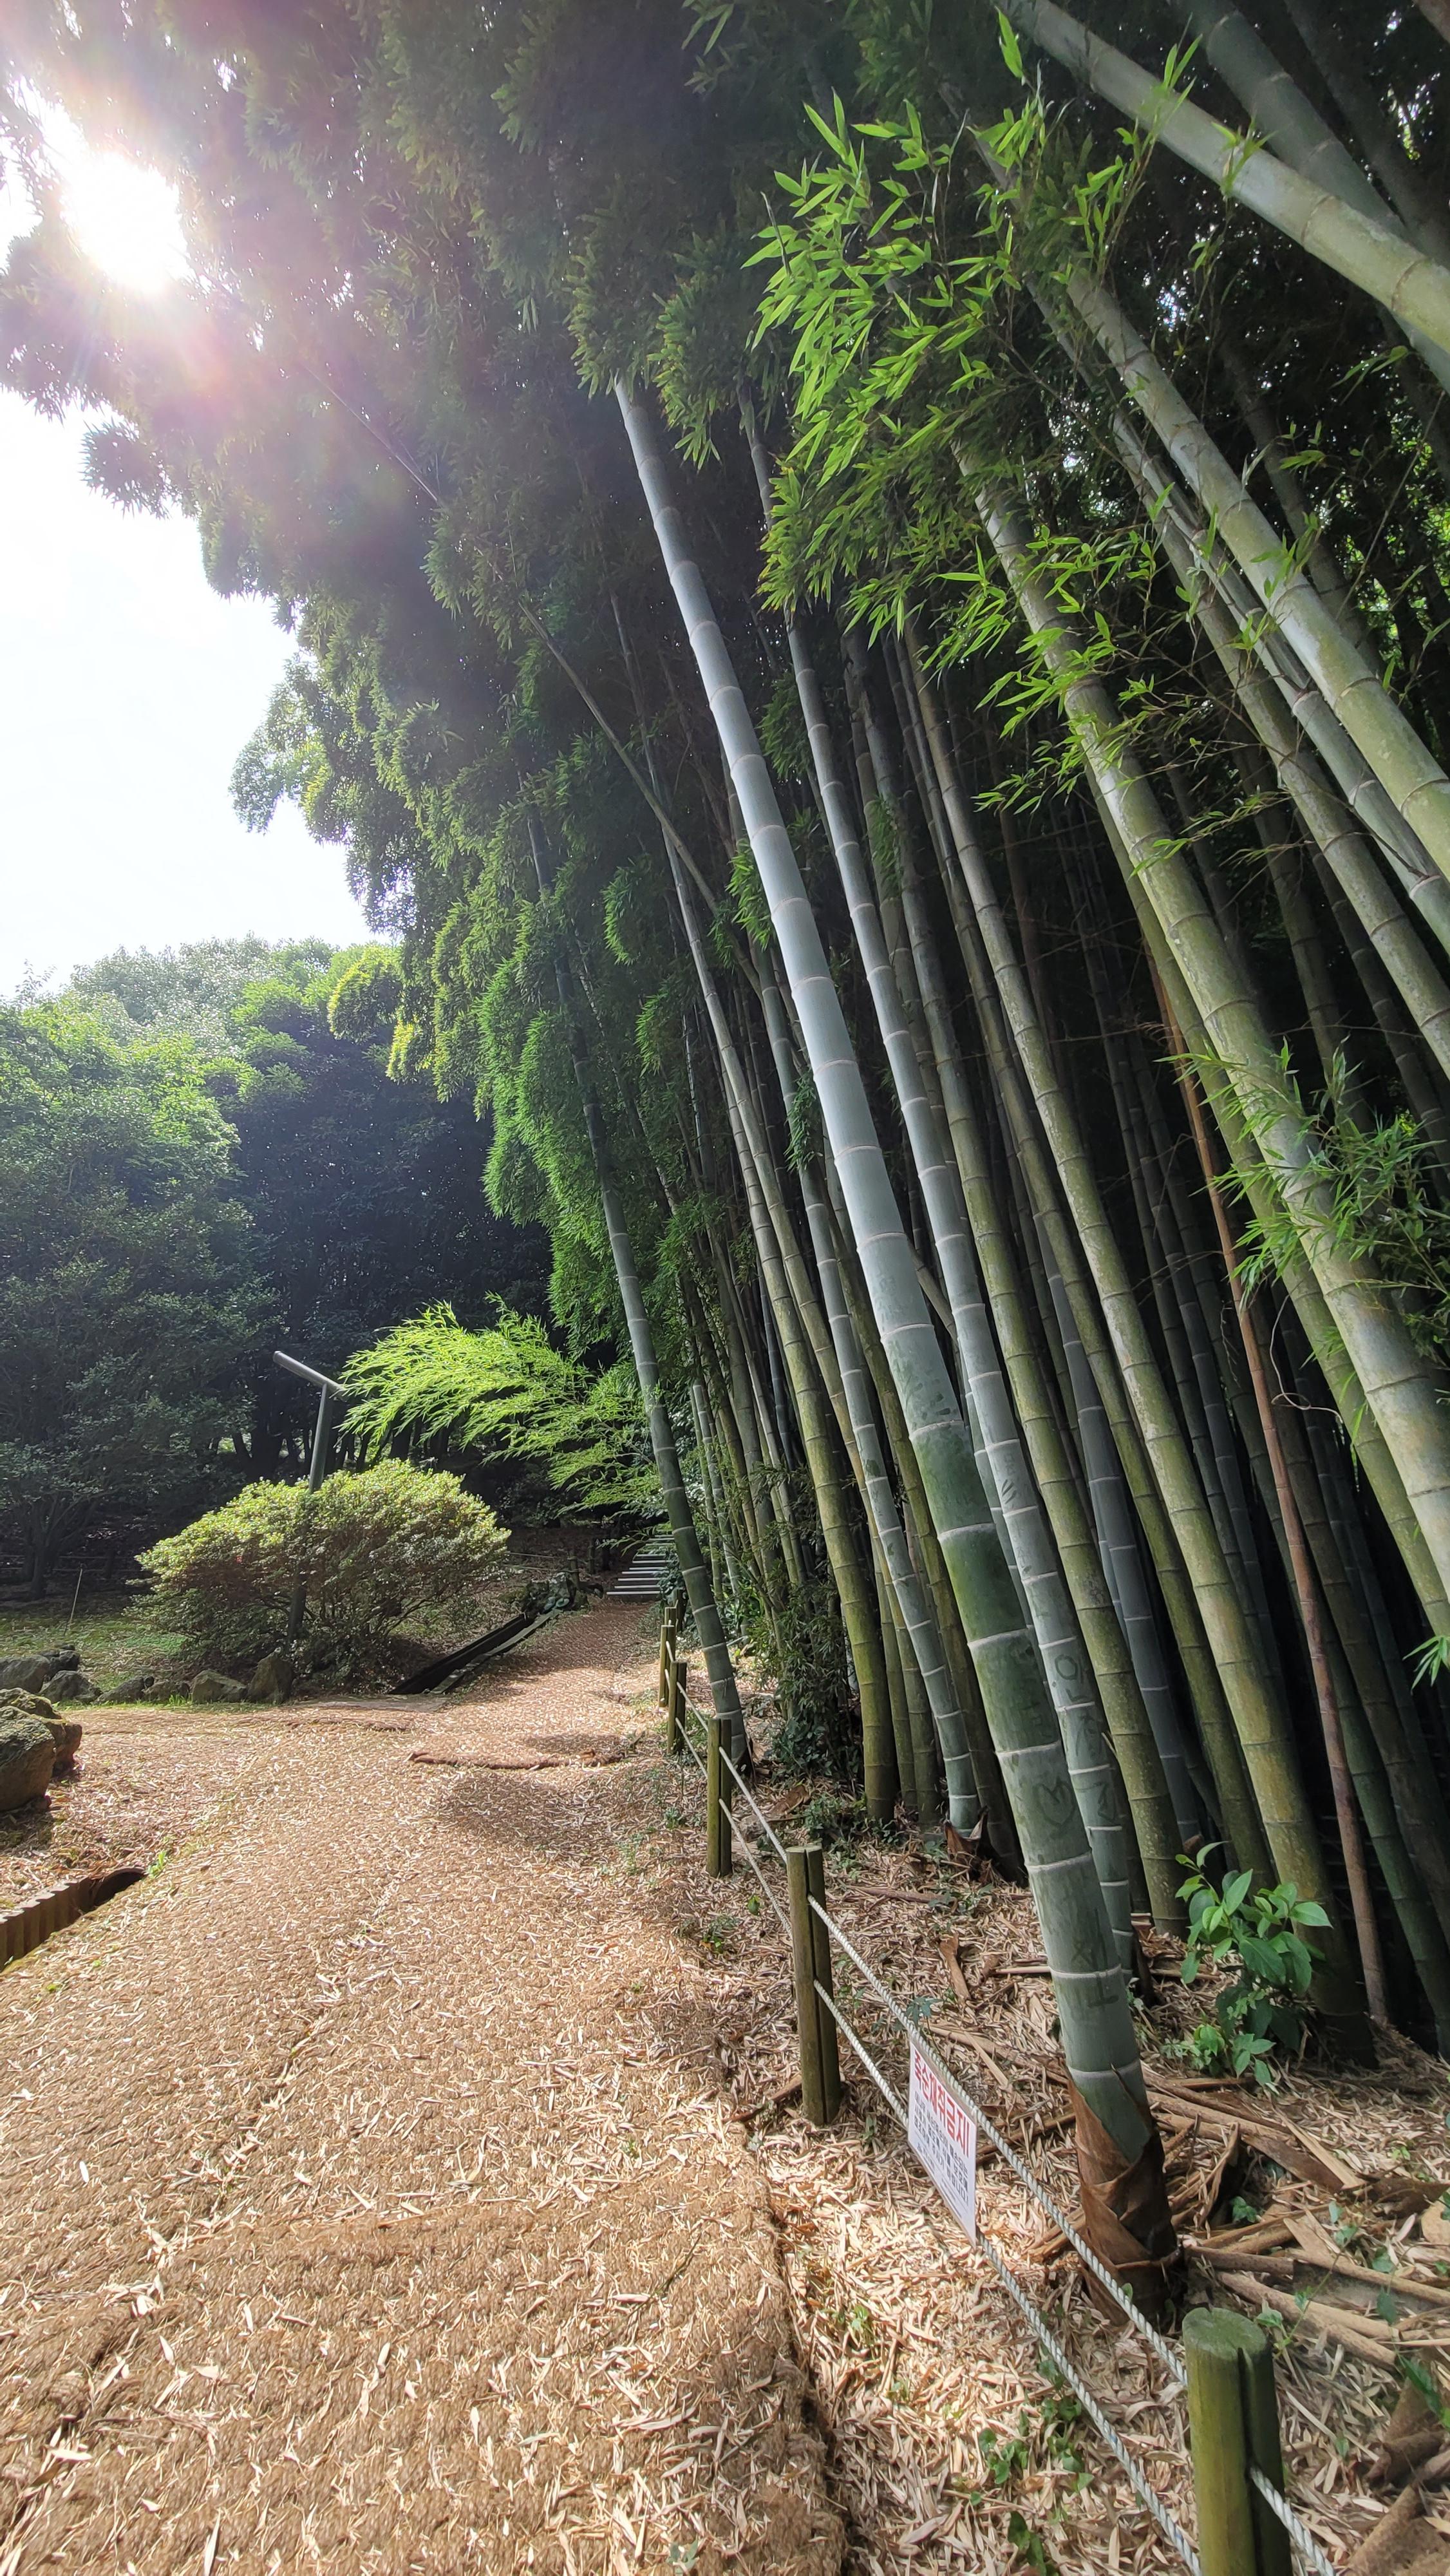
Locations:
368 2200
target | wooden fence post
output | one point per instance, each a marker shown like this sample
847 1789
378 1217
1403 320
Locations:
666 1656
807 2007
675 1712
821 1947
1266 2453
719 1858
727 1805
1233 2423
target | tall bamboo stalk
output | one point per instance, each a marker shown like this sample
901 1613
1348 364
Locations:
1293 128
704 1610
1091 1992
1352 690
1402 1390
1098 1392
1275 704
1330 1710
1259 1718
853 1581
1359 247
918 1624
1046 1466
1064 1658
1148 849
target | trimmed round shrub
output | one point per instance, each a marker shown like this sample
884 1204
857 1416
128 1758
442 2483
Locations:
378 1552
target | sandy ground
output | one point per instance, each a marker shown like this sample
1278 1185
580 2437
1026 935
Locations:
372 2200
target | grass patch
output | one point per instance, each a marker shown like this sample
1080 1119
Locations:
116 1633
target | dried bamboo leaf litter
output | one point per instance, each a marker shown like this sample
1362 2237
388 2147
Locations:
381 2199
947 2434
365 2212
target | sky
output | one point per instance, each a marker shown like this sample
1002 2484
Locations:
127 689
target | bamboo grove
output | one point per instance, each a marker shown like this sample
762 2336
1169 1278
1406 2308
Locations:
871 601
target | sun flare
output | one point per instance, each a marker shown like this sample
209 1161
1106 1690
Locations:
123 217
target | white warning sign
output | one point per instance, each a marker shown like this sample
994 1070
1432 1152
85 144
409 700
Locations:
945 2138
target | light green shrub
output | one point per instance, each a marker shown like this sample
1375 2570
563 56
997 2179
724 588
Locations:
377 1552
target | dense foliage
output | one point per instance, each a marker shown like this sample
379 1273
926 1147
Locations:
207 1154
381 1553
365 1190
129 1295
504 1393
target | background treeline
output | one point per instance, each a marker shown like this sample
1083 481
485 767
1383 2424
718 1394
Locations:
871 594
202 1158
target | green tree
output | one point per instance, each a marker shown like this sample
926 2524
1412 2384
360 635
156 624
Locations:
504 1393
130 1296
364 1189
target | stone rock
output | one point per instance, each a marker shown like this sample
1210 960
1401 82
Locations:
32 1672
140 1686
24 1703
68 1684
66 1737
27 1758
24 1672
212 1686
272 1679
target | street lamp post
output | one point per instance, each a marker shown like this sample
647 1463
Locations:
330 1396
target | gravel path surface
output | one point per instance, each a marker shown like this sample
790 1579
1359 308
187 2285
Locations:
372 2202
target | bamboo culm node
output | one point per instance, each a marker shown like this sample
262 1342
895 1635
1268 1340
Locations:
1233 2426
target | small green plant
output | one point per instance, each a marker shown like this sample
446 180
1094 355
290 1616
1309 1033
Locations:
1261 1933
1419 2376
1347 2230
830 1818
1277 2331
1058 2418
1052 2424
800 1644
1005 2455
1029 2544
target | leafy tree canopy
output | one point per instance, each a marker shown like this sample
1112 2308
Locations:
365 1192
505 1393
131 1294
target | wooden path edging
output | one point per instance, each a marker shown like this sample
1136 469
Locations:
27 1926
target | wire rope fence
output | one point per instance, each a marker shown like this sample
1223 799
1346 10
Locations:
1246 2525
